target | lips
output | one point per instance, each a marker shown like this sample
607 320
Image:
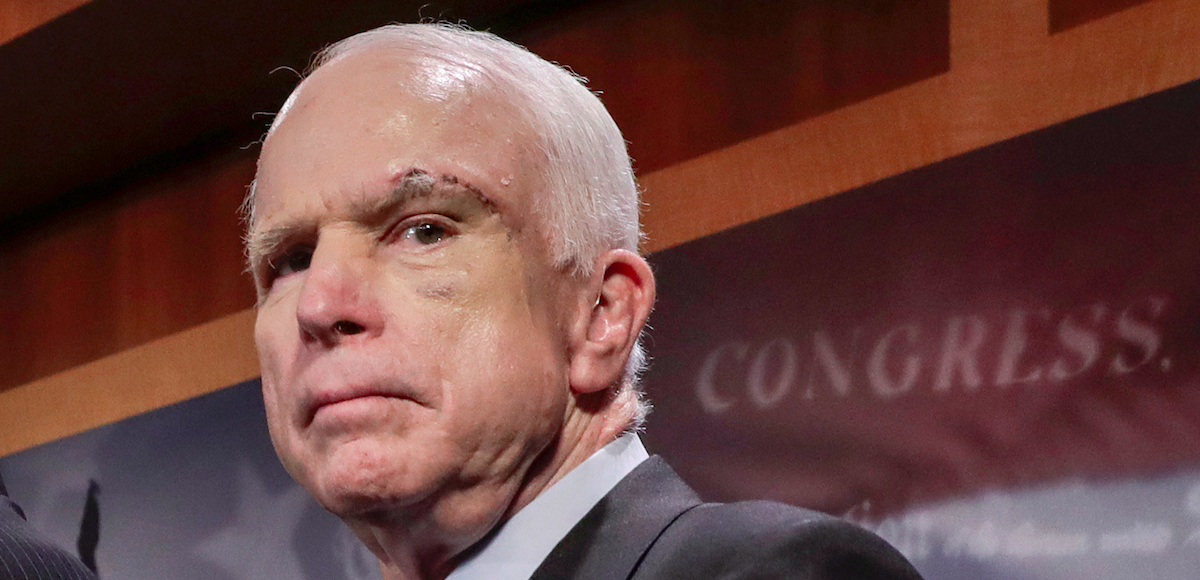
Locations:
331 400
327 395
345 375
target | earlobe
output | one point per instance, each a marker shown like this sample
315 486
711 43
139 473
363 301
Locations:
621 295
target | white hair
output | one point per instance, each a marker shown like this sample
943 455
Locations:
593 199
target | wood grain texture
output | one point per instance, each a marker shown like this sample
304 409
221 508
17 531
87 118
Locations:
202 359
683 78
1008 76
161 256
1067 13
20 16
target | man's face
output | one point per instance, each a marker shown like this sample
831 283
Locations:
410 326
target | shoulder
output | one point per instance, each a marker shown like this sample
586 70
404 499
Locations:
25 553
768 540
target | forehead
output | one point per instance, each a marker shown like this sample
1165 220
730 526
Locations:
362 119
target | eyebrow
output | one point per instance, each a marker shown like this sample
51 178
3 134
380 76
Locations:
415 183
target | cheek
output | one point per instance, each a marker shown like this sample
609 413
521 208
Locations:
282 432
274 350
277 424
492 334
510 359
438 291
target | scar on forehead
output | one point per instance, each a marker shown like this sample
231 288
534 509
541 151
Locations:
417 182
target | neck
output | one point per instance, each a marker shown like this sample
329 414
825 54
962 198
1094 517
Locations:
427 542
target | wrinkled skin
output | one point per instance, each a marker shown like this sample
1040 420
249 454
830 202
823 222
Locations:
426 370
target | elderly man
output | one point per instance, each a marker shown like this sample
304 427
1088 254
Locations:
443 233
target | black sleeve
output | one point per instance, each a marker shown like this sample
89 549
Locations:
825 549
770 541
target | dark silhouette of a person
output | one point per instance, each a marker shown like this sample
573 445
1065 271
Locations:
89 527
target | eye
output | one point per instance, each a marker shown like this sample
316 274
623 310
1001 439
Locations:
294 260
425 233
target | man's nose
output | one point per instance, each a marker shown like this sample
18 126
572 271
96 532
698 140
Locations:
338 299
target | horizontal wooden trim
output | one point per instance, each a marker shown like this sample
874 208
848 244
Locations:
1008 77
20 16
185 365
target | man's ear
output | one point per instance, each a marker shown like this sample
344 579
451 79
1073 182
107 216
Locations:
618 299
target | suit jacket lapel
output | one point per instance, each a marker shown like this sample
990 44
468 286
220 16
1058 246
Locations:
609 542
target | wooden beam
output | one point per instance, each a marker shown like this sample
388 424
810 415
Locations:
20 16
1008 77
185 365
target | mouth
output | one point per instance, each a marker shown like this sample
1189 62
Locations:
350 399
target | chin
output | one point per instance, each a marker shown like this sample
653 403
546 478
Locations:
364 477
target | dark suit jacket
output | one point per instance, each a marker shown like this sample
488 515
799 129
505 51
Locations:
25 555
652 526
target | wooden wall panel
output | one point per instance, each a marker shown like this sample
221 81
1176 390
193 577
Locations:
1067 13
1008 76
684 78
160 257
19 16
198 360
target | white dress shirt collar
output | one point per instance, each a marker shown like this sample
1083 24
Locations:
516 550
